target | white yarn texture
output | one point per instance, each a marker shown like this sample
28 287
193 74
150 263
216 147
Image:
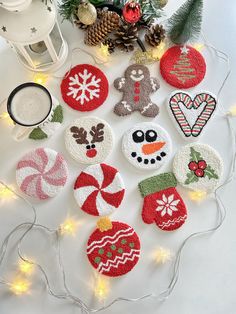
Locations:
80 151
134 152
211 157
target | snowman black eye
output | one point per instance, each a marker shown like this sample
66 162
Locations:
151 136
138 136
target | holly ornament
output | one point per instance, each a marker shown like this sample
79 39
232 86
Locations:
113 249
87 13
132 12
162 203
198 168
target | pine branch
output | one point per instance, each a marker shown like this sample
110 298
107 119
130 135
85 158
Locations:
151 10
68 8
185 23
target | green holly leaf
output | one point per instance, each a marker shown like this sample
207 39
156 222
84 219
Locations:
210 173
57 114
37 134
195 156
191 178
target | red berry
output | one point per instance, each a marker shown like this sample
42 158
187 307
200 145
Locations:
199 173
193 165
202 164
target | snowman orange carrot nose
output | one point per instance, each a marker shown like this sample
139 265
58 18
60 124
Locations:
151 148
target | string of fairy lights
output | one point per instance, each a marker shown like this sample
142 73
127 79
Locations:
26 267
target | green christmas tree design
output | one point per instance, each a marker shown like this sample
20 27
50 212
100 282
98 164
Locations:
182 69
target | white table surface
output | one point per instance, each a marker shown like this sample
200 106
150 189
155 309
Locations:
207 274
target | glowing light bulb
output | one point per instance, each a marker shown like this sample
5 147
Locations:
197 195
25 267
6 193
198 46
5 116
20 286
162 255
101 289
40 78
158 52
104 51
232 111
69 226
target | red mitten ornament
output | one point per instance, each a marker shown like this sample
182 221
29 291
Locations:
162 203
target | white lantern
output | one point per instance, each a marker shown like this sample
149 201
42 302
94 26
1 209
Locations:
31 27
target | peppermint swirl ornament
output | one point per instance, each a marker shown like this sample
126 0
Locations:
99 190
41 173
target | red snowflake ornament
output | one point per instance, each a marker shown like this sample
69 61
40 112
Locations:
182 66
115 250
84 87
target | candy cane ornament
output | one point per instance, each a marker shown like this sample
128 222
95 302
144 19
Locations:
191 114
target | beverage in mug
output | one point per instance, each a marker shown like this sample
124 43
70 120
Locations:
29 105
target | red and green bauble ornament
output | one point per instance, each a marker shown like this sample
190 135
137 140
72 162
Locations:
132 12
182 66
113 248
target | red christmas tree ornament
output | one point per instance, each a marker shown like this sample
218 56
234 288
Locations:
84 87
132 12
113 248
162 203
182 66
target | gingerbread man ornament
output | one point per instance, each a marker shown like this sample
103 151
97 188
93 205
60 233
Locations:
136 85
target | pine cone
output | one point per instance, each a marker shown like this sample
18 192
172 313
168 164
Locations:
110 43
127 36
79 24
155 35
98 32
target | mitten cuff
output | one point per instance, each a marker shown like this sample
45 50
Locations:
157 183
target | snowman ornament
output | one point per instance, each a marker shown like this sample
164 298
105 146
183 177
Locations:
147 146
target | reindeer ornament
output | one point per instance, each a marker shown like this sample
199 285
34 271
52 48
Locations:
89 140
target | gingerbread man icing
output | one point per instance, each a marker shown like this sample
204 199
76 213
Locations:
136 85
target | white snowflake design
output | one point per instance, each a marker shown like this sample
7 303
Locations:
167 205
84 86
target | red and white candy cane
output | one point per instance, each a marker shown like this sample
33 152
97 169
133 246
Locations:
205 99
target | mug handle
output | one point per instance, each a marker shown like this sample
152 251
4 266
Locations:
19 133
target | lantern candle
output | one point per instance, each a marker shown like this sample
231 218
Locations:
31 28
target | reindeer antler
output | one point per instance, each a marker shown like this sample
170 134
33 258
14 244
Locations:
79 134
97 133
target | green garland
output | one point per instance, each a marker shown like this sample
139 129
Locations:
151 9
68 8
